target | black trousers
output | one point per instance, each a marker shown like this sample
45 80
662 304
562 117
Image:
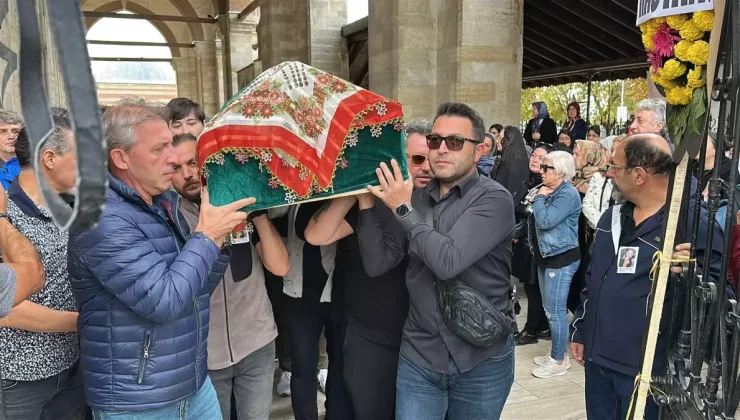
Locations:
536 317
305 322
370 371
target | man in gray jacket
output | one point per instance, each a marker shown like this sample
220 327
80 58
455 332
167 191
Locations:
241 342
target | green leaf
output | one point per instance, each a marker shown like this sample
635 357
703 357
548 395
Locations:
697 111
677 121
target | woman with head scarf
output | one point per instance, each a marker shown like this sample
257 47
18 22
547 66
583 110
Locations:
487 160
575 124
590 158
512 167
601 193
541 128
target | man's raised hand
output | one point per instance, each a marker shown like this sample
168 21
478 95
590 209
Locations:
217 222
393 190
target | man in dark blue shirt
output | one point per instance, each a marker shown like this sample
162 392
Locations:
11 125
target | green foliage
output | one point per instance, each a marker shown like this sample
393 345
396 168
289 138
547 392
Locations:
677 122
605 98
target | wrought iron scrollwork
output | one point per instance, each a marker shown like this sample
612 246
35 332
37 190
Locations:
702 379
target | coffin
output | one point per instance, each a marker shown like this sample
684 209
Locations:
298 134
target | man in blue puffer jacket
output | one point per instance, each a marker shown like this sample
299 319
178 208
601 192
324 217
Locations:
142 282
610 324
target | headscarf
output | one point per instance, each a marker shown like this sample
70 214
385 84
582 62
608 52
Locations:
572 121
607 142
542 113
596 159
485 164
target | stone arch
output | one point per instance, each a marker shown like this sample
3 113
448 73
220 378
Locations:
187 9
137 8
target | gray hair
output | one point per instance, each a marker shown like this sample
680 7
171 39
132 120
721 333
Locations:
10 118
563 163
418 126
656 106
120 119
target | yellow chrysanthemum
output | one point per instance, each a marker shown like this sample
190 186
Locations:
679 95
681 50
672 69
661 81
647 41
695 79
676 21
698 53
651 26
704 20
690 31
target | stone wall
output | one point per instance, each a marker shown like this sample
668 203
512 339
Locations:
427 52
304 30
10 58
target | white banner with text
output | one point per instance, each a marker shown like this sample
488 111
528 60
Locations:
649 9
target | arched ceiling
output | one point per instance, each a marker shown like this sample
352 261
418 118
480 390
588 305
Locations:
136 8
171 30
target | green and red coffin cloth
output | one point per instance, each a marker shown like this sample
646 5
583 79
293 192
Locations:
297 134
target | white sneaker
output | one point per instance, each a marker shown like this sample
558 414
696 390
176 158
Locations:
323 374
543 360
550 369
283 387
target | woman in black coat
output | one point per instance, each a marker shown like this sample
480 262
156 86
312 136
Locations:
512 167
541 128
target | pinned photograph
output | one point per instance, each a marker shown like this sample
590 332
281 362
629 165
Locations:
627 260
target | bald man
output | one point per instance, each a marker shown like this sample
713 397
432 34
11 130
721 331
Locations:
608 335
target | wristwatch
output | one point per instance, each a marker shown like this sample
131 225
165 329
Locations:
402 210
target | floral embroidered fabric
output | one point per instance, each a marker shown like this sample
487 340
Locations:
296 134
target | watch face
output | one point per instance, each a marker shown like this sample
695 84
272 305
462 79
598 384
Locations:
402 210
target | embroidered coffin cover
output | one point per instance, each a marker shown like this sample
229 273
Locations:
297 134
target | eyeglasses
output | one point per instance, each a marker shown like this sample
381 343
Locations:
454 143
418 160
611 166
545 168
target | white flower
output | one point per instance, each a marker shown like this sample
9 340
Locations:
303 174
249 228
266 156
376 131
352 140
381 109
290 197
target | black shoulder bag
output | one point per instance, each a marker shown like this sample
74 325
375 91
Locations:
468 313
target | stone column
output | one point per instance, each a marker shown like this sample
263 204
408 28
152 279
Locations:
426 52
403 53
207 76
304 30
243 37
187 83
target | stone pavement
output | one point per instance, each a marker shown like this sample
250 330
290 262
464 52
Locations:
560 398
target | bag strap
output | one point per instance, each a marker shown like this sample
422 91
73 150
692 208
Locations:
616 226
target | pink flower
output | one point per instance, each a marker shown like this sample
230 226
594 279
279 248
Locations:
664 40
656 61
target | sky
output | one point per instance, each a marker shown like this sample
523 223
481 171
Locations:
356 9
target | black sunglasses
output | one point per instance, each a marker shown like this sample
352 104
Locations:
545 168
454 143
418 160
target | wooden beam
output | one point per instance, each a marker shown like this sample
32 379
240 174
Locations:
131 59
141 44
254 5
161 18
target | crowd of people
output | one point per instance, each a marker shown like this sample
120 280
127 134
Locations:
398 303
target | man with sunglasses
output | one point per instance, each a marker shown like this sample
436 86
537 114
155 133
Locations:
439 232
610 323
417 152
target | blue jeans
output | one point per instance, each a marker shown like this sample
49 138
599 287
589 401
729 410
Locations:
555 286
203 405
250 381
478 394
608 394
